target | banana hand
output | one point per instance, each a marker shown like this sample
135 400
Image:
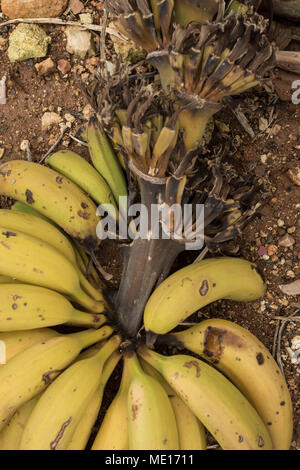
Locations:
218 404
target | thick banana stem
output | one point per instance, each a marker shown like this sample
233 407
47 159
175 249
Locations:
148 261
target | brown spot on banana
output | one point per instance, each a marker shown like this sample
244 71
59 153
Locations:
47 379
9 234
215 341
29 197
204 288
260 358
6 245
84 215
54 444
190 364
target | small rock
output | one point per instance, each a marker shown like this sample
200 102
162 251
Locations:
280 223
276 129
50 119
46 67
27 41
76 6
262 251
24 145
86 18
294 175
272 249
263 159
291 289
223 128
290 273
79 42
87 111
3 43
2 150
69 117
33 8
291 230
286 241
63 66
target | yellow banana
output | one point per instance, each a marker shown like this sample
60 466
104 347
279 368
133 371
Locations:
25 307
54 196
10 436
42 229
105 160
195 286
63 403
78 170
191 432
216 402
113 432
151 419
39 228
250 366
17 341
29 372
34 261
84 428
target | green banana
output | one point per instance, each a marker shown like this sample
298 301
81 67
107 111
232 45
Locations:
195 286
106 162
78 170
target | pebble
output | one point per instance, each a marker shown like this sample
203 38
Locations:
50 119
290 273
286 241
263 159
291 230
76 6
280 223
86 18
3 43
294 176
2 150
33 8
46 67
27 41
79 42
87 111
64 66
69 117
272 249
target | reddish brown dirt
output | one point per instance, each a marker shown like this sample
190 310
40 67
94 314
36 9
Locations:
270 155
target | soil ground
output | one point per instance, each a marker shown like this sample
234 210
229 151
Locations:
270 155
